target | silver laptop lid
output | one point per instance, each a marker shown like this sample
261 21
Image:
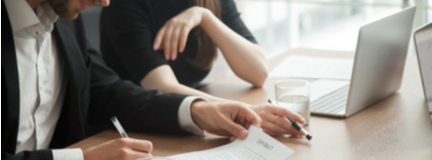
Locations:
380 59
423 43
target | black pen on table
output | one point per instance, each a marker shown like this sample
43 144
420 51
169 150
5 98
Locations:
119 127
296 125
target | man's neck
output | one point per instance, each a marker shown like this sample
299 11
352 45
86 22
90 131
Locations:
34 3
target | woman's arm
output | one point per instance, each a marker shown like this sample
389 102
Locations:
163 79
245 58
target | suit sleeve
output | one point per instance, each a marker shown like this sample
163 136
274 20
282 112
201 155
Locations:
29 155
139 110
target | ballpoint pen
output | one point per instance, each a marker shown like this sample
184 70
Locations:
122 132
119 127
296 125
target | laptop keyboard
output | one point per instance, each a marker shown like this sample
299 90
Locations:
334 102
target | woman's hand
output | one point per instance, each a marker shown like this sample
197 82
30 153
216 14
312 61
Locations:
274 122
173 35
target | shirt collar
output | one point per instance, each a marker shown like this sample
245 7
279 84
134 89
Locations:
21 15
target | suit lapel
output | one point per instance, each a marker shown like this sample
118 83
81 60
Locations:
69 48
71 120
11 82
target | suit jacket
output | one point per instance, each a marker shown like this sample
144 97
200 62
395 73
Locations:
94 93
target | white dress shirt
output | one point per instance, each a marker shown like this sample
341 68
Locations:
42 82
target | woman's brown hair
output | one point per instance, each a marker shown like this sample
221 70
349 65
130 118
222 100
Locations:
206 51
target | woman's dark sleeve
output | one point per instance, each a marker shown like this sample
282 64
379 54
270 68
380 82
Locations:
231 18
125 29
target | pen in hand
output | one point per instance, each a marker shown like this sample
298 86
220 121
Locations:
122 132
119 127
296 125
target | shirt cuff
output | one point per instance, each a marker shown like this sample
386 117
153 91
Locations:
68 154
185 117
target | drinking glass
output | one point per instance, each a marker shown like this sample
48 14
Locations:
293 94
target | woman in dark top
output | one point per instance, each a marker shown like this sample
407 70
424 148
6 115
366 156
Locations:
170 45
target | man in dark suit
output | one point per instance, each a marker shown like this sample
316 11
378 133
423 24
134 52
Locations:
56 91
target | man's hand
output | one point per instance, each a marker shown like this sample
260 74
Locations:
274 122
224 118
120 149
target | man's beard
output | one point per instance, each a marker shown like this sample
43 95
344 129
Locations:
61 8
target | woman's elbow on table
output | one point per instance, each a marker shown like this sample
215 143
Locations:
259 78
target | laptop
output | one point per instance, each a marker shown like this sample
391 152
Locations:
378 67
423 43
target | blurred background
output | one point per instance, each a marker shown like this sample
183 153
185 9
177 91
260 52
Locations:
280 25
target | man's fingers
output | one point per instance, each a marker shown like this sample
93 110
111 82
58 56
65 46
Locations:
174 43
233 138
139 155
135 144
133 149
158 39
235 129
142 145
287 113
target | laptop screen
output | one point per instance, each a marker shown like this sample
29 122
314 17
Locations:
423 40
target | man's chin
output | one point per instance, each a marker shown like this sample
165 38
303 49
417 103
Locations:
67 9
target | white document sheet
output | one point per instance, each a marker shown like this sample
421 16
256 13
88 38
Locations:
257 146
314 67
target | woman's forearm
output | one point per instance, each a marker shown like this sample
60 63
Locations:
182 89
245 58
162 78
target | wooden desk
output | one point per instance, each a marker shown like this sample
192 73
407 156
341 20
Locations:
397 127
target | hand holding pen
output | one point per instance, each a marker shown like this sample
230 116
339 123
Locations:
273 122
119 127
296 125
122 132
120 148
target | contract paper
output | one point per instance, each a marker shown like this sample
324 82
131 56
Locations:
257 146
314 67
